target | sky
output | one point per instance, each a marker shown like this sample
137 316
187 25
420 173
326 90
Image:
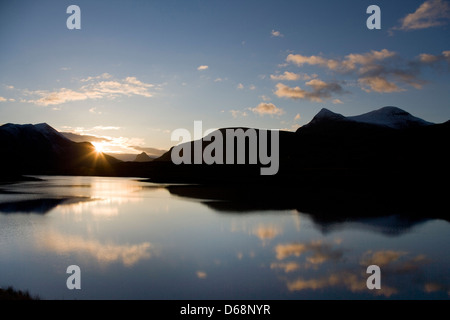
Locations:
137 70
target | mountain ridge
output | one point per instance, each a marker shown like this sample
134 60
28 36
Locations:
329 149
388 116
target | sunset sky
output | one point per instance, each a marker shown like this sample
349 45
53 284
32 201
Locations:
137 70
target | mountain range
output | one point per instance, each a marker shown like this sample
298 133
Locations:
387 146
40 149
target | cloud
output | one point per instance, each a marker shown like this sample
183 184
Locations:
289 76
382 258
201 274
346 279
376 71
238 113
297 117
286 267
128 254
319 252
102 76
343 65
434 60
203 67
128 87
320 90
275 33
378 84
240 86
394 261
94 111
2 99
300 60
95 89
83 137
266 232
267 108
337 101
431 13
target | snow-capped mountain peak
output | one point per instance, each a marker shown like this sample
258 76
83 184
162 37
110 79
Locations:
392 117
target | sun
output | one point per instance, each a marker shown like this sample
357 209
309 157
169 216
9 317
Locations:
99 147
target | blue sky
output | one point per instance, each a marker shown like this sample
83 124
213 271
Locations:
137 70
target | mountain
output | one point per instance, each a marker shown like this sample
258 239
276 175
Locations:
142 157
391 117
40 149
387 148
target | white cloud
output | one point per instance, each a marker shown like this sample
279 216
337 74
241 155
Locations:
337 101
297 117
276 33
95 89
94 110
267 108
105 253
240 86
3 99
289 76
105 128
238 113
431 13
102 76
203 67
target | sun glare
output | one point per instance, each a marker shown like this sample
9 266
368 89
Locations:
99 147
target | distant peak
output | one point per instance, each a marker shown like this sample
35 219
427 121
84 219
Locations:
392 110
142 157
42 125
392 117
325 114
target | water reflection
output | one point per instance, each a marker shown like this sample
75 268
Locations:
204 242
399 269
39 206
104 253
330 210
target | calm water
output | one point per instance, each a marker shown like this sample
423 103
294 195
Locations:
136 240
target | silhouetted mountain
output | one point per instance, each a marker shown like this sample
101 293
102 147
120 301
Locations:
40 149
387 149
142 157
391 117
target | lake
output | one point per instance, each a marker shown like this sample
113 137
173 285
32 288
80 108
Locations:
138 240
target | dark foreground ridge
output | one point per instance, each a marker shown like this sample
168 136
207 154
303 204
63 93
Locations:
12 294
